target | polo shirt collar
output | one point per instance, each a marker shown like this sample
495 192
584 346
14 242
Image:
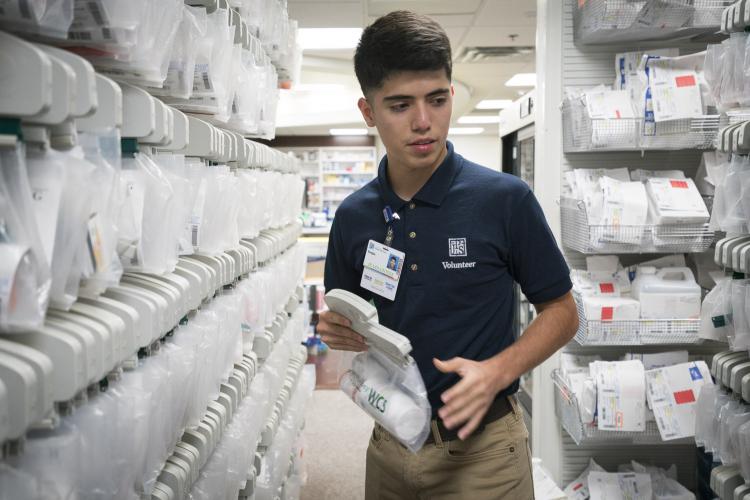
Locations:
435 189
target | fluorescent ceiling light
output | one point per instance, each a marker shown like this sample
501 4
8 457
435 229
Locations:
474 119
329 38
348 131
522 80
494 104
465 130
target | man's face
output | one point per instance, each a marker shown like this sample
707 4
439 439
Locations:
412 112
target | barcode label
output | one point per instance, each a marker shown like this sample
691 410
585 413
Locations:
79 35
194 235
96 13
207 82
106 33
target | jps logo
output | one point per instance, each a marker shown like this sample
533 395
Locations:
376 400
457 247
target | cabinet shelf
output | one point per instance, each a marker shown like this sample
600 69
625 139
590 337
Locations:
579 235
634 332
568 411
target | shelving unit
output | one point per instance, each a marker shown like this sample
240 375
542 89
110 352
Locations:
581 55
332 173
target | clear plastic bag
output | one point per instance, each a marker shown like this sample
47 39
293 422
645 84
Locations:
722 431
730 435
393 395
735 219
103 268
178 82
144 245
62 194
147 61
716 312
711 440
739 338
743 447
704 414
47 18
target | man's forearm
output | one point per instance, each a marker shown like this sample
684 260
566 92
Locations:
554 327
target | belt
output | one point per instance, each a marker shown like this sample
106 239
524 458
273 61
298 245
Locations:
497 410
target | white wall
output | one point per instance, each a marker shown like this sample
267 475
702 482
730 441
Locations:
482 149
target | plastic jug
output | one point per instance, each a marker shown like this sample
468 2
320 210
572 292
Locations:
668 293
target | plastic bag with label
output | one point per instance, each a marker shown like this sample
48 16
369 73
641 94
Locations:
144 245
48 18
102 268
704 414
178 82
146 62
739 338
716 312
391 394
735 219
62 195
25 278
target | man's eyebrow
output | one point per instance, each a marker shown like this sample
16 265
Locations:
404 97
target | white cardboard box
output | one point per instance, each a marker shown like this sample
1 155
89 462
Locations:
621 395
673 392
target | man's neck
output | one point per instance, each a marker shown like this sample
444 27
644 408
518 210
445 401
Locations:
407 182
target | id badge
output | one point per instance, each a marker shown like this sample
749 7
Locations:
382 269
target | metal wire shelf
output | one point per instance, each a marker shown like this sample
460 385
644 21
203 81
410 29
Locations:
634 332
569 413
579 235
614 21
583 134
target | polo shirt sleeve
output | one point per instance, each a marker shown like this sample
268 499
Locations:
536 262
340 272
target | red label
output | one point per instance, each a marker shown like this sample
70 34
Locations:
606 288
608 313
685 81
684 397
578 487
617 113
679 184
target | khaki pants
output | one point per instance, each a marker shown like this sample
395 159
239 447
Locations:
495 464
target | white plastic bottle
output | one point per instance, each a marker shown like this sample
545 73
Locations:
667 293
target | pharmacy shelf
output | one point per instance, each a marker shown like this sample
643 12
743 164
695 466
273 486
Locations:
347 172
594 332
568 411
350 186
616 21
579 235
582 134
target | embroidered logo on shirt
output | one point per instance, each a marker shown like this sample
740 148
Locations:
457 247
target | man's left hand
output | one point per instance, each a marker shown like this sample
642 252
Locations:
468 400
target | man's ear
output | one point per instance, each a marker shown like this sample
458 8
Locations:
366 110
453 90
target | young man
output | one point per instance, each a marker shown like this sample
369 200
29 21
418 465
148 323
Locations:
468 233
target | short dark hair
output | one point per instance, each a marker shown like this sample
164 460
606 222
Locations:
400 41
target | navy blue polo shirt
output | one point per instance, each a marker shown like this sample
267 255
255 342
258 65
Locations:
468 235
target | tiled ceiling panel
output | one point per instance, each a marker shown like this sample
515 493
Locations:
507 13
327 14
380 7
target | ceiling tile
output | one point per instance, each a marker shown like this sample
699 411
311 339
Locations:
455 35
327 14
500 36
507 13
436 7
452 21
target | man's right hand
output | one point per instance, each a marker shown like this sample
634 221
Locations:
335 330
